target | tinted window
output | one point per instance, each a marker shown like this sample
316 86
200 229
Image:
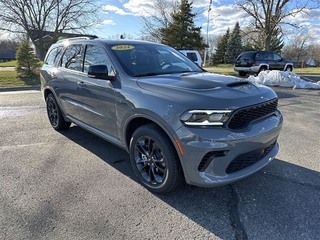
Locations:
54 56
246 56
72 58
192 56
96 55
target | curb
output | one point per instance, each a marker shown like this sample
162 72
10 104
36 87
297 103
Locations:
22 88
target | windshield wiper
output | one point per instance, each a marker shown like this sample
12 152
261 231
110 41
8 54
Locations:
146 74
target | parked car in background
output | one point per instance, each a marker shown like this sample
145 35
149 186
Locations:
177 121
253 62
193 55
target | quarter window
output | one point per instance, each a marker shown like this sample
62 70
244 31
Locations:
54 56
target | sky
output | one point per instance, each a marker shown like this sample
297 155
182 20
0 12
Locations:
124 16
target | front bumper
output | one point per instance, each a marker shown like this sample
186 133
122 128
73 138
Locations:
218 156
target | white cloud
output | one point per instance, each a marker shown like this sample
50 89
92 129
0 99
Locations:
139 7
108 22
109 8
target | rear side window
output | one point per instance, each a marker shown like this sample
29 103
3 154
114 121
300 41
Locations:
71 59
246 56
54 56
192 56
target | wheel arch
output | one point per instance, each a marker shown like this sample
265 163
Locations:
138 121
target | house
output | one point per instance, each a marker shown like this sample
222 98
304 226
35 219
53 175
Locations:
7 55
48 39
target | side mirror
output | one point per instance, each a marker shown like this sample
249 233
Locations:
99 71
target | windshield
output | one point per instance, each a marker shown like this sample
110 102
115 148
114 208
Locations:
152 59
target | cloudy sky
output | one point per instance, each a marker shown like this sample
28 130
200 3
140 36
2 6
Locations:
124 16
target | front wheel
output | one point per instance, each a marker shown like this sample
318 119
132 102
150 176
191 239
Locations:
289 68
154 159
54 114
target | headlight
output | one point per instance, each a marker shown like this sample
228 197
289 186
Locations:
205 117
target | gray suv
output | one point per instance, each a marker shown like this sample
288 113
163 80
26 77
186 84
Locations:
177 122
253 62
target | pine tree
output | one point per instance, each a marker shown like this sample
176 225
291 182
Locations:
182 32
234 45
276 42
219 56
27 61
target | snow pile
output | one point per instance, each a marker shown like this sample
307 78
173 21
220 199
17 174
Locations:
283 79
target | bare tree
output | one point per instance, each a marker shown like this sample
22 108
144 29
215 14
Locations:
8 44
298 46
269 15
35 17
157 19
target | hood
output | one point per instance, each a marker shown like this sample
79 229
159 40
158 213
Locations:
204 90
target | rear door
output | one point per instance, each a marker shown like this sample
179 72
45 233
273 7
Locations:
65 85
97 96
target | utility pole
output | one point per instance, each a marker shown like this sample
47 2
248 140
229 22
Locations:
206 50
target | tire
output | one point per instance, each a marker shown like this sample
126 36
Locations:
289 68
242 73
154 159
54 114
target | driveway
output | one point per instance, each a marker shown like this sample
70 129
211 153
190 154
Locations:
73 185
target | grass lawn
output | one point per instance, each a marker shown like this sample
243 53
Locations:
11 79
228 70
8 64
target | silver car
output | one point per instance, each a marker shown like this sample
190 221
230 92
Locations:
177 122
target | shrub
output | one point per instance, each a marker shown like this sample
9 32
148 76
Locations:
27 62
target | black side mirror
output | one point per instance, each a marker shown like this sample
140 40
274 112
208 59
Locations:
99 71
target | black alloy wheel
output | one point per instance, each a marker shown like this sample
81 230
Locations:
154 159
54 114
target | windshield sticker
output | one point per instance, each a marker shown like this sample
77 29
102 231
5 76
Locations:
122 47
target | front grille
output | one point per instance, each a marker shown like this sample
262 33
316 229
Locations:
242 117
247 159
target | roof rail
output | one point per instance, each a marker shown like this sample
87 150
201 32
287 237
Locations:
81 37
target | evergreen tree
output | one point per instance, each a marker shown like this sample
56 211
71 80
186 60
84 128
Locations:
182 32
27 61
219 56
276 42
234 45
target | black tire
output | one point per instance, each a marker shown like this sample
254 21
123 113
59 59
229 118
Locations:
242 73
289 68
54 114
154 159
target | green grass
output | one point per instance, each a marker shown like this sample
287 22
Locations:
11 79
8 64
228 70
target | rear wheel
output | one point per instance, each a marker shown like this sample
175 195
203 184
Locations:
54 114
154 159
242 73
263 68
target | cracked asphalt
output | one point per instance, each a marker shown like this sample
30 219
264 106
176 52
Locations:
74 185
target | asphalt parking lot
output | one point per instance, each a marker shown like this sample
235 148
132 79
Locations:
74 185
